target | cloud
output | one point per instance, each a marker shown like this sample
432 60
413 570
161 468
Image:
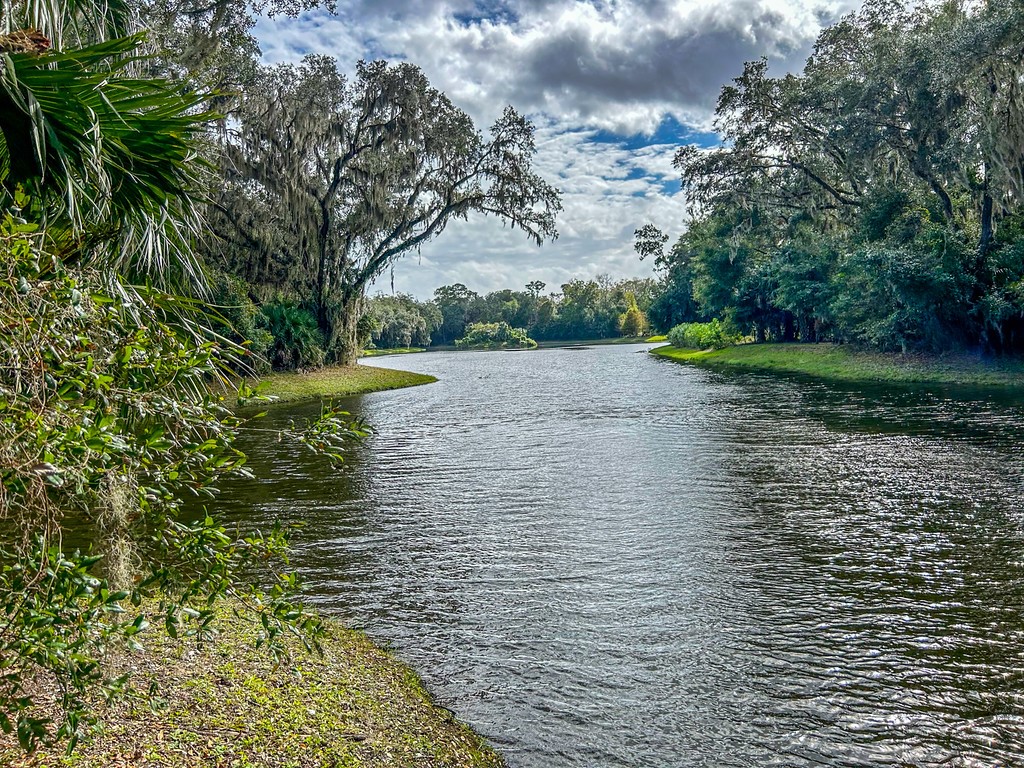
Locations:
593 75
608 190
621 66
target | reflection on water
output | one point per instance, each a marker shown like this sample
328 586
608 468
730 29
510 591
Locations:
602 559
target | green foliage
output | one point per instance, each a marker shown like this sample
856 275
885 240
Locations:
295 338
240 320
109 418
498 335
903 298
712 335
400 321
107 423
871 198
632 322
107 159
585 309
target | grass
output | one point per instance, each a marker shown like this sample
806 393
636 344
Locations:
843 363
591 342
226 704
556 343
338 381
395 351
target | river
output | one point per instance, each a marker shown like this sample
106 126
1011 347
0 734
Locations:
599 558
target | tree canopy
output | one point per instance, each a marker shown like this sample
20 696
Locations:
874 197
329 181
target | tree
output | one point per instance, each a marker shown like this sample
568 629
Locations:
535 288
401 321
329 182
578 310
632 322
457 305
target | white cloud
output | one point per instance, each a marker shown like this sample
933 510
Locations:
607 192
614 64
575 66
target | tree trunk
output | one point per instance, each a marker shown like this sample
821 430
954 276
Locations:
344 342
788 327
987 230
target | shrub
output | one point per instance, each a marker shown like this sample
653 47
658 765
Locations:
297 340
713 335
107 421
499 335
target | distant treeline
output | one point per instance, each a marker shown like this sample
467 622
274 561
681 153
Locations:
583 309
874 198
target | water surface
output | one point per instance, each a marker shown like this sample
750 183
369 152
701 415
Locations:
598 558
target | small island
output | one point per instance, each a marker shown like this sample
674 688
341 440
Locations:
498 335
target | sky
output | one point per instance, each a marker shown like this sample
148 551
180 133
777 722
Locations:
613 87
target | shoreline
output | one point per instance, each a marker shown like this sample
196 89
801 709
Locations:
843 363
396 351
337 381
550 344
226 703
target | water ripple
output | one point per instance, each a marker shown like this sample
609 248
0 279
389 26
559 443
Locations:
601 559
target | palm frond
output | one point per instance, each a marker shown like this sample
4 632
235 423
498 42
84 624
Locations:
69 23
90 143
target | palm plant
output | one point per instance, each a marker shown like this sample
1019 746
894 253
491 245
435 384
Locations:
67 23
104 160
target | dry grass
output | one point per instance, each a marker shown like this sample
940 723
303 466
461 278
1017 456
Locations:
228 705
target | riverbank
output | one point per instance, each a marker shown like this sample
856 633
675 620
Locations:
227 704
396 351
562 343
338 381
555 344
843 363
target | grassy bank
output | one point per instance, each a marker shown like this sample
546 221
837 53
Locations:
843 363
593 342
396 351
338 381
225 704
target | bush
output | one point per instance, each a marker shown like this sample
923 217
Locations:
495 336
239 319
297 340
713 335
107 421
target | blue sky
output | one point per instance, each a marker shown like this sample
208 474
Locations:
613 87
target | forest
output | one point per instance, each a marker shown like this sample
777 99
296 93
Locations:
583 309
875 198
